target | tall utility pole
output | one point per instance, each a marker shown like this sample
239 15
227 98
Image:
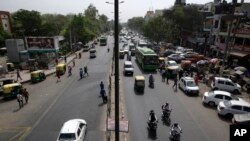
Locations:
116 70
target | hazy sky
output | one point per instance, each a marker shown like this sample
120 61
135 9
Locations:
128 9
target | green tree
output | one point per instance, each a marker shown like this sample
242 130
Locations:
156 29
26 23
53 24
3 35
136 23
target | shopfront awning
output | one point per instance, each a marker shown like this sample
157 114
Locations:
42 51
237 54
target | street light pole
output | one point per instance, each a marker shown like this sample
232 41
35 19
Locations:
116 9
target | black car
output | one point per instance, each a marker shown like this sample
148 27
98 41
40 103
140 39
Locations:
176 57
168 52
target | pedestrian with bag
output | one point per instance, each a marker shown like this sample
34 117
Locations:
175 83
101 85
25 94
86 70
103 95
20 100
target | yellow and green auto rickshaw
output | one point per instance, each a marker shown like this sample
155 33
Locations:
10 67
139 84
172 71
121 54
11 90
61 68
37 76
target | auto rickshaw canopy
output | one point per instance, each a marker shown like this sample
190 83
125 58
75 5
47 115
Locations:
61 65
140 77
36 73
8 87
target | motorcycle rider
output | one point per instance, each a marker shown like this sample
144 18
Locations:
175 128
151 80
165 108
152 117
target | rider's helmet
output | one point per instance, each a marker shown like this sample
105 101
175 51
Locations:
166 104
151 112
175 124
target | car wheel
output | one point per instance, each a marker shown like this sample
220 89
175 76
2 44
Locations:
216 88
211 103
186 92
230 116
236 92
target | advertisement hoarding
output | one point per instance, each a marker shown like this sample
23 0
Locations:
41 43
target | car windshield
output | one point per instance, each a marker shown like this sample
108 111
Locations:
68 136
227 103
191 84
172 64
128 66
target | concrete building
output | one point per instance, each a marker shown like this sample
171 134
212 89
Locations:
149 14
5 21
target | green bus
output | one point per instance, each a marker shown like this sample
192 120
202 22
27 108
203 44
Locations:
103 41
146 58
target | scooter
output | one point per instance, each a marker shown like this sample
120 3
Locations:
175 135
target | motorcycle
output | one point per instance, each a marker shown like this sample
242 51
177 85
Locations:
166 117
152 125
151 83
175 135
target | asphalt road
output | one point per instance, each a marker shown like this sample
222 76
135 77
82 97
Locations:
199 123
51 103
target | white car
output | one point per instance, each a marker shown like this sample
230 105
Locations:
128 68
73 130
231 107
188 85
213 98
226 84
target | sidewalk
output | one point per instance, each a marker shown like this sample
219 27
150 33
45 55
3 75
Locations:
25 74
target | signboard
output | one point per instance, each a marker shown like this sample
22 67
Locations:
41 43
123 125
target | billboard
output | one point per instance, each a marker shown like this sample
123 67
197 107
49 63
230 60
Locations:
41 43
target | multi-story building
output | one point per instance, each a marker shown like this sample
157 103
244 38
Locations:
5 21
238 25
149 14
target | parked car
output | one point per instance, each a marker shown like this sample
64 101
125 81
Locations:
128 68
226 84
73 130
243 119
176 57
231 107
213 98
188 85
190 54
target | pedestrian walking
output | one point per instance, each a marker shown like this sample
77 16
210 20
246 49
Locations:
86 70
69 70
25 94
180 74
80 55
101 85
65 59
167 75
103 95
74 63
20 100
81 73
18 74
196 79
163 75
175 83
58 76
